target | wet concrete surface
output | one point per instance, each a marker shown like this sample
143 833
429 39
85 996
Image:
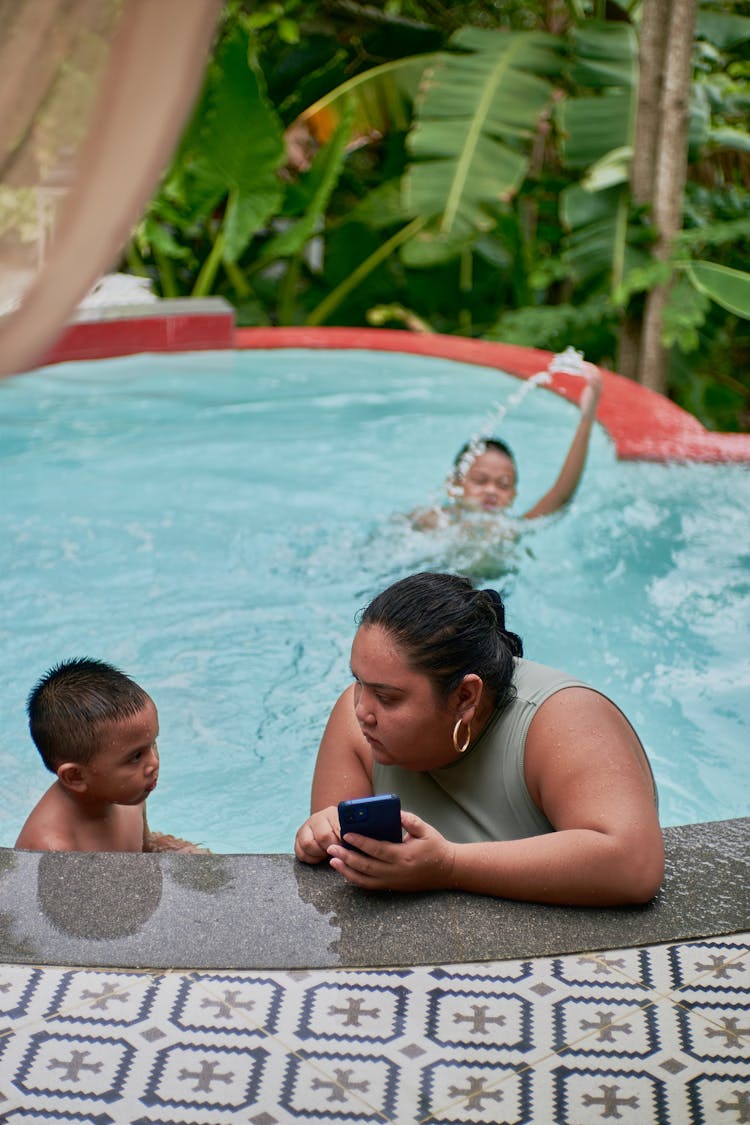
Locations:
268 911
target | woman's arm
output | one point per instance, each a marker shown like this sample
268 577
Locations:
586 770
343 769
572 470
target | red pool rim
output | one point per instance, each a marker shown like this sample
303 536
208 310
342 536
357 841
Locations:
643 425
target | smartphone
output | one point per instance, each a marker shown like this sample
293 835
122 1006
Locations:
377 817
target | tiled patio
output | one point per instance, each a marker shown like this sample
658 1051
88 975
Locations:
252 989
658 1034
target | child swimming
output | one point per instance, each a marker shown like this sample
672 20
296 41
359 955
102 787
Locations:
485 476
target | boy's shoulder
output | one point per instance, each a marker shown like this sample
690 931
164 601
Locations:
56 824
48 827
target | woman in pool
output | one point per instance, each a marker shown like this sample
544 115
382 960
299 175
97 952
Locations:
516 780
484 477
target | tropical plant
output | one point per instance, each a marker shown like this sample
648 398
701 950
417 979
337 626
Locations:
480 186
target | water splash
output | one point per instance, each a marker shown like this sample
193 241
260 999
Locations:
569 361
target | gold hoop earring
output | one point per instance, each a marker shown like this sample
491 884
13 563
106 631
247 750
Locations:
465 744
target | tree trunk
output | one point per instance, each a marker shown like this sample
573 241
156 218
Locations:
652 46
659 166
652 50
669 179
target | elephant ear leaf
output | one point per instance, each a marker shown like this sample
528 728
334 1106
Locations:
479 109
241 145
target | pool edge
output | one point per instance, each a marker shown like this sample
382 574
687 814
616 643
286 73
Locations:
172 911
643 425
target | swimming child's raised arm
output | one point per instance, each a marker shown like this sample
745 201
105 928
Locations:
572 469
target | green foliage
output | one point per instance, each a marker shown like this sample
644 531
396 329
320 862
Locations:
461 169
593 322
481 106
684 314
727 287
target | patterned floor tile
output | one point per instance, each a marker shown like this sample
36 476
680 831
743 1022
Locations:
674 966
713 966
25 994
715 1031
485 1093
228 1004
614 969
656 1035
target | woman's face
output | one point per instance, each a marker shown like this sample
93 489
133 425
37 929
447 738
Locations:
398 711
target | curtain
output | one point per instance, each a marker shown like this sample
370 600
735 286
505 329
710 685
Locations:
139 64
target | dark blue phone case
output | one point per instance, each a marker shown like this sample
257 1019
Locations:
377 817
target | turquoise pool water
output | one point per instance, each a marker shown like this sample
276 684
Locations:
212 523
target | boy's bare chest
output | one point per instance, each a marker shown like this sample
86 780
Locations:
120 831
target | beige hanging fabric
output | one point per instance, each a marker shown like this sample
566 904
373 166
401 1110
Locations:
151 76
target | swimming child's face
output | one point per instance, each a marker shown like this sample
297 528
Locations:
489 483
125 770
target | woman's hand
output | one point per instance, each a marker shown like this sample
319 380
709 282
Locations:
422 862
317 834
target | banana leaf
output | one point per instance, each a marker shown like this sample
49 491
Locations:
604 55
593 126
597 135
478 111
727 287
722 29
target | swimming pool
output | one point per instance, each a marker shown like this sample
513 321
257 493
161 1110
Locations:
212 523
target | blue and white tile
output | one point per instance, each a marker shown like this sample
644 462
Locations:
658 1035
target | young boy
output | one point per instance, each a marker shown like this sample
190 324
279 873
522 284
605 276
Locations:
96 730
484 476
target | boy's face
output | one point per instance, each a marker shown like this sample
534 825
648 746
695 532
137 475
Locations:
489 483
125 770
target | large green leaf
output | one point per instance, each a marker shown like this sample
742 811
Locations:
605 54
595 221
727 287
478 111
728 138
723 29
597 134
241 145
592 126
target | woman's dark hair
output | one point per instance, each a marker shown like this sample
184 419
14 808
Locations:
70 704
449 629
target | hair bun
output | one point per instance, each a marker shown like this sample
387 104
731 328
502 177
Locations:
498 606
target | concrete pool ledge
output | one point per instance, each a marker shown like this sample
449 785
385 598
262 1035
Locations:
168 911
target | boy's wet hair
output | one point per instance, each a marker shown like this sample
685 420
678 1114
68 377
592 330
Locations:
471 449
448 629
72 702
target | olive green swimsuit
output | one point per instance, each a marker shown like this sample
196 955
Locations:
483 794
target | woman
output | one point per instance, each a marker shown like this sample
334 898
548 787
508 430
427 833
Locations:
516 780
